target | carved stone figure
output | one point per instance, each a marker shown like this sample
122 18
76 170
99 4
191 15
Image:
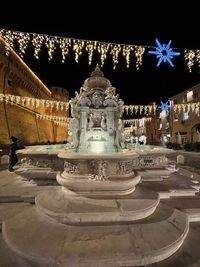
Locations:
84 101
74 127
99 169
90 122
96 99
110 92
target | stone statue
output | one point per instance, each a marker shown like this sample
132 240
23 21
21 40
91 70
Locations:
96 99
74 128
110 92
90 122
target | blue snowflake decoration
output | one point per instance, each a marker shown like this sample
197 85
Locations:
164 53
165 106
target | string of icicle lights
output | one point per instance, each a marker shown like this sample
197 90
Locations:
127 109
163 52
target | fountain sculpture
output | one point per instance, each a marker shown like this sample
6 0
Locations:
101 215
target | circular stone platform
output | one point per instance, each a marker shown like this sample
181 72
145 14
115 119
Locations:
46 243
77 210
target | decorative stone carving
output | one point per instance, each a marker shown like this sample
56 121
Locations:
150 161
84 101
110 92
53 162
125 167
99 170
97 99
71 168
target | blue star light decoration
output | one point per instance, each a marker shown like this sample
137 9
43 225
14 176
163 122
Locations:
164 53
165 106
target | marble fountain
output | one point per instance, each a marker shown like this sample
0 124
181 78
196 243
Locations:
101 214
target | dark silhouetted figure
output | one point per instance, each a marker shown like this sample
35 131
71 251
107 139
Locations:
12 153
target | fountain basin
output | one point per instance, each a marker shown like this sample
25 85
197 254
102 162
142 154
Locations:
99 174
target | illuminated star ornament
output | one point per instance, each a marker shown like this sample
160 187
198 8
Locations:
165 106
164 53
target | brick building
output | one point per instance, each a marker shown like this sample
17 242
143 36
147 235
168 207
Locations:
16 78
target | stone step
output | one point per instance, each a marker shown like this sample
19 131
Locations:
55 244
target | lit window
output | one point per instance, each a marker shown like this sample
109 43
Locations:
190 96
185 116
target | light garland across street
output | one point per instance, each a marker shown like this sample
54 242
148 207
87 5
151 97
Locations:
164 52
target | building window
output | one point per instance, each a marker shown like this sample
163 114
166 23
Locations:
184 98
183 139
175 101
189 96
9 82
185 116
195 94
175 116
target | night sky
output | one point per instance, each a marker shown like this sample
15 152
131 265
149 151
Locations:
149 84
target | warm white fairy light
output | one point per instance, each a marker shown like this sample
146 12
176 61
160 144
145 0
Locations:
60 121
9 37
138 121
18 99
78 49
90 47
34 102
23 41
126 51
64 44
103 50
194 107
198 57
37 42
115 50
50 44
189 57
139 51
142 109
